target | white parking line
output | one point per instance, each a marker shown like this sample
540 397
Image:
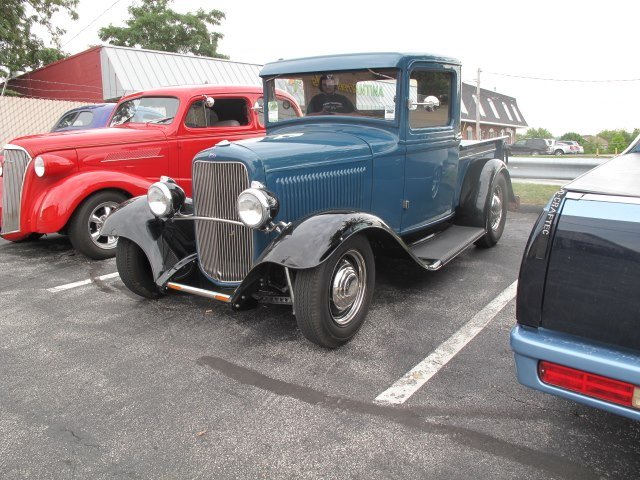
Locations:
415 378
69 286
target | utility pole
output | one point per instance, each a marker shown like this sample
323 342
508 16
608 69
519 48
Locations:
4 85
478 106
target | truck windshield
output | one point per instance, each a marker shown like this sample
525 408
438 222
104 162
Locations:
146 109
363 93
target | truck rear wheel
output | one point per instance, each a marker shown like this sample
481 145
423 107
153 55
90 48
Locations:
332 299
495 213
134 269
85 224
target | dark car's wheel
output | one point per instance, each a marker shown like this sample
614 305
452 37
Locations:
535 153
85 224
558 152
495 213
134 269
332 299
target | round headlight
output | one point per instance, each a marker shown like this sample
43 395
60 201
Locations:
254 208
38 166
160 201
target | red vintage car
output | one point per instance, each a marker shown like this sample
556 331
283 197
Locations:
69 182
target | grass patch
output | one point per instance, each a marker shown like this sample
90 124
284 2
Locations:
534 193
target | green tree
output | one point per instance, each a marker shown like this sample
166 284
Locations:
618 143
20 48
576 137
538 133
155 26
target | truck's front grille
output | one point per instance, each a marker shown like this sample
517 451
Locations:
225 250
14 166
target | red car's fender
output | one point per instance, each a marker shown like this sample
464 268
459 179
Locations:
53 210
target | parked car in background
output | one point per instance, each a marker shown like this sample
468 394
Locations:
530 146
295 217
578 329
70 181
561 148
574 146
82 118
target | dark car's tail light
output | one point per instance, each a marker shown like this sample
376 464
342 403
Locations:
589 384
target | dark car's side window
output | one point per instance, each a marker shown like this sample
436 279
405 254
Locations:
84 119
431 90
225 112
67 120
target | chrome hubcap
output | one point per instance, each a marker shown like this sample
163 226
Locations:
96 220
348 286
496 208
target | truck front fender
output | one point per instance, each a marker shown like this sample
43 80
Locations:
475 191
309 242
54 209
164 242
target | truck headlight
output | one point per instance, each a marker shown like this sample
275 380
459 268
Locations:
165 197
160 200
38 166
256 207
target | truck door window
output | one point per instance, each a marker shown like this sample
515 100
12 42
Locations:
286 110
423 86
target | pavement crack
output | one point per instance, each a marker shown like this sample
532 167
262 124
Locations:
545 461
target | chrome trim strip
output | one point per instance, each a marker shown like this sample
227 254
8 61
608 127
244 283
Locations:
596 197
223 297
211 219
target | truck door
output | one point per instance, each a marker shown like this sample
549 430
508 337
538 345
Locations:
431 166
209 120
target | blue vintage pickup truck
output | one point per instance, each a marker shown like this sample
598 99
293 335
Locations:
578 304
374 167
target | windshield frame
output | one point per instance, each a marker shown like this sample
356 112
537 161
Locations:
151 121
389 118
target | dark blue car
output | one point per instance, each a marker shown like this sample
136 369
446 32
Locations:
578 303
85 117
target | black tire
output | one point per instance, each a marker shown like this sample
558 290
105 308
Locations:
324 317
134 269
558 152
86 221
495 213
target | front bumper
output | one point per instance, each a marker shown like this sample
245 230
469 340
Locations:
531 345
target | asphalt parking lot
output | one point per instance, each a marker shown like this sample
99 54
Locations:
98 383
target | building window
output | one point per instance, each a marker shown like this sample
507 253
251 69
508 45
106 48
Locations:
492 133
463 107
469 133
493 108
515 110
506 109
479 105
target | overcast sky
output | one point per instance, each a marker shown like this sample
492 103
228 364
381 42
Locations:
561 40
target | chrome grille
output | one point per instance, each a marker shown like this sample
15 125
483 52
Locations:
225 250
14 166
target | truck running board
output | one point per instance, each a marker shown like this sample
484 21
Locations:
439 249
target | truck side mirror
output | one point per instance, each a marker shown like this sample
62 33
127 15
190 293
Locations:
258 107
430 104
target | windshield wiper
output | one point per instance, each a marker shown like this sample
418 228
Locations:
161 120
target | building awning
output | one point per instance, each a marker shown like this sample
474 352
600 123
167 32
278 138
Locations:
127 70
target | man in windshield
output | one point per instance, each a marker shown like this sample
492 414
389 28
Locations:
329 102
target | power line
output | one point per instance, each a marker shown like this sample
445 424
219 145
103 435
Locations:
91 23
576 80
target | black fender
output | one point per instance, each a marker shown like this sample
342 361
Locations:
163 241
309 242
474 195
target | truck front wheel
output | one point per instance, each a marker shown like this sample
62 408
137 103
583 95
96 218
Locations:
134 269
85 224
332 299
495 213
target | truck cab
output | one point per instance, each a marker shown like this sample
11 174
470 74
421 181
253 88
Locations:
373 166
